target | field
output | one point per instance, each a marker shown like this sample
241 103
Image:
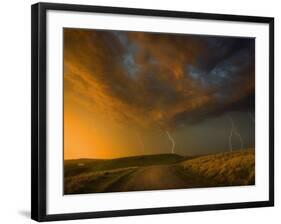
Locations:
158 172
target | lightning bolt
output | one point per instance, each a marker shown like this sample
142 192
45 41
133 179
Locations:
140 141
230 137
234 131
172 140
253 120
252 117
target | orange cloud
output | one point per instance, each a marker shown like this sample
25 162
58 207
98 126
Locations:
144 80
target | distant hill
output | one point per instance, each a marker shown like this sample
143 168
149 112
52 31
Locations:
76 166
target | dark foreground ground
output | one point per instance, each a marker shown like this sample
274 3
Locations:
158 172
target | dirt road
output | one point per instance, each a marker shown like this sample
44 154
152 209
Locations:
153 178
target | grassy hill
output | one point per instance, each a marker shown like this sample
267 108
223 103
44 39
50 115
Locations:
77 166
155 172
232 168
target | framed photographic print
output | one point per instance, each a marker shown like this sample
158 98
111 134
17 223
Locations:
138 111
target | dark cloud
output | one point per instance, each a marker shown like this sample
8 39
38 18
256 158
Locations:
159 79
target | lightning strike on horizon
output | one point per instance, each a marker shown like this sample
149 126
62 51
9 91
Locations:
140 141
235 131
229 139
252 117
172 140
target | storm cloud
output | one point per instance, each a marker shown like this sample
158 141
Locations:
158 79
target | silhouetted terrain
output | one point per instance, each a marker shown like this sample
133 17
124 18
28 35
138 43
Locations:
156 172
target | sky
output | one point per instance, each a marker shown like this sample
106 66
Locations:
135 93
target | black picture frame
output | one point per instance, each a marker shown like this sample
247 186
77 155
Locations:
39 122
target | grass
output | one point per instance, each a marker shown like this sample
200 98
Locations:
99 175
233 168
92 182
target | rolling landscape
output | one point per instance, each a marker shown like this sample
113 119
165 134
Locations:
158 172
